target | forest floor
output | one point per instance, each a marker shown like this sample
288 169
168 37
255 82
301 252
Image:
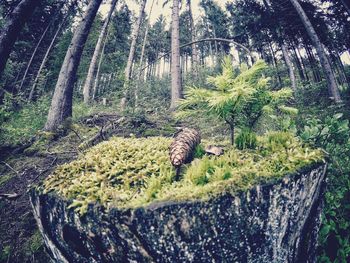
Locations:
21 168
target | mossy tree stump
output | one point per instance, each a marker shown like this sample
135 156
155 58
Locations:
273 222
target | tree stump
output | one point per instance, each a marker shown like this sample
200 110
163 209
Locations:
275 222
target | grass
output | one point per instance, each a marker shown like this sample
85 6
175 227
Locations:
133 172
21 125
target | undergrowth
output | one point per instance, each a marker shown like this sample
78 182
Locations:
131 172
19 126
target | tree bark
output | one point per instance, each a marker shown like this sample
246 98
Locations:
128 69
332 84
12 28
61 105
43 62
88 85
176 85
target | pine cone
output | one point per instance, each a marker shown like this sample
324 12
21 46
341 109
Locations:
182 148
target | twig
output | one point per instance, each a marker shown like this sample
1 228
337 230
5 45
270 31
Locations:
10 196
54 160
10 167
76 133
64 152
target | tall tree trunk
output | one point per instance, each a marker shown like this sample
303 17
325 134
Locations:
313 64
12 28
332 84
289 66
176 85
285 54
96 81
61 105
88 85
128 68
141 58
33 55
194 57
299 66
43 62
274 63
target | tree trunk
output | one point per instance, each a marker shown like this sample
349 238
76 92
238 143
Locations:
43 62
128 68
176 85
61 105
232 132
300 65
274 63
289 65
12 28
141 58
285 54
332 84
313 65
96 81
88 85
33 55
195 62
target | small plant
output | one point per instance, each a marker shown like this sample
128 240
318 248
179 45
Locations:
246 140
235 97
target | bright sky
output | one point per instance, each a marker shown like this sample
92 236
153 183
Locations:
158 8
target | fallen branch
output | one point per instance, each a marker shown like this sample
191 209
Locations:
103 134
10 196
77 134
57 153
10 167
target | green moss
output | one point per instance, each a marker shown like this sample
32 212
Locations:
131 172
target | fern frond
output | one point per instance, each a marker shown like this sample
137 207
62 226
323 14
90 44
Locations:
281 95
253 74
288 110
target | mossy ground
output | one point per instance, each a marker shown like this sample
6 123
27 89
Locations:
133 172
